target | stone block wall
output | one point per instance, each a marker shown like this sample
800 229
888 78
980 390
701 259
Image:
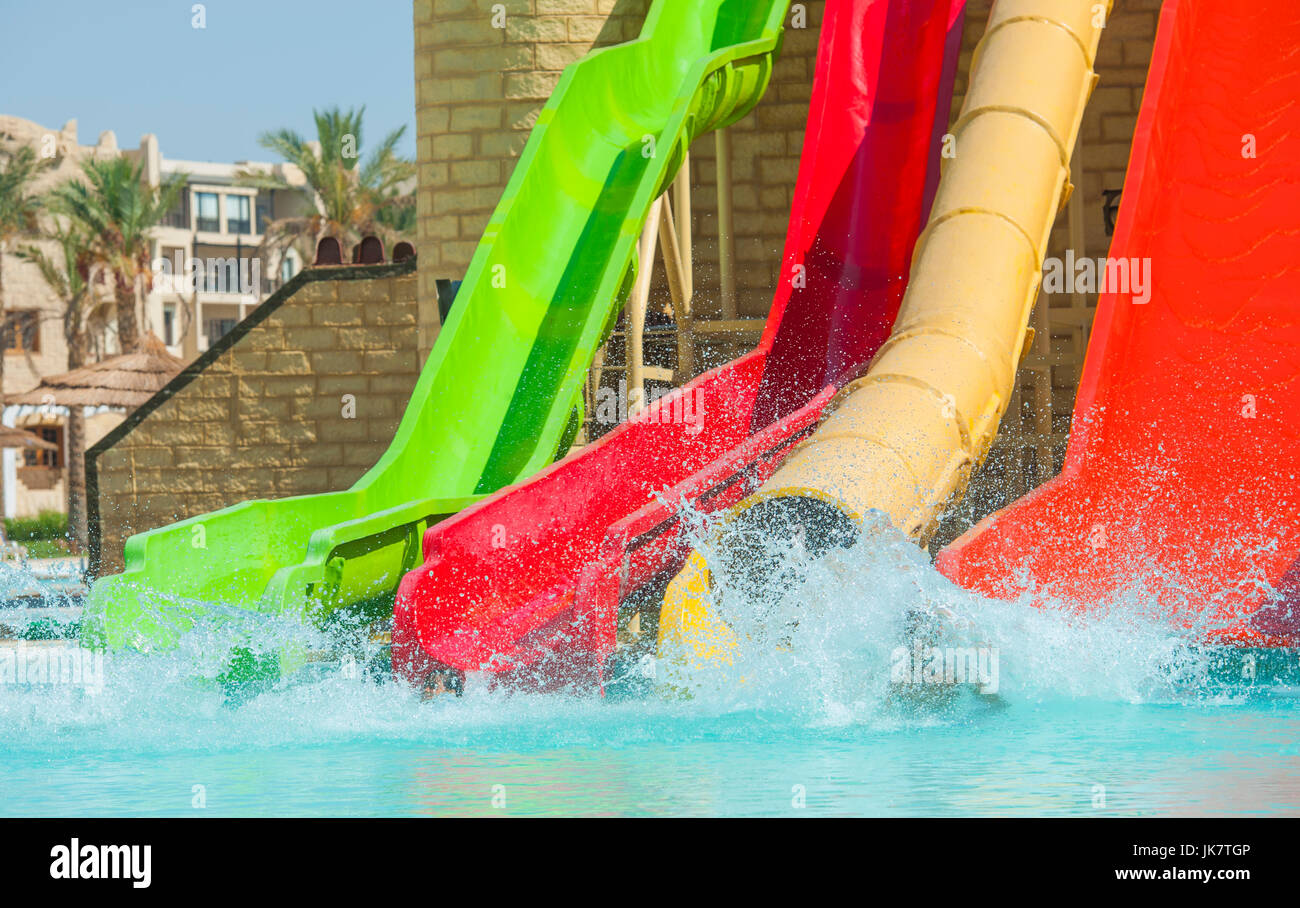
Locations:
303 397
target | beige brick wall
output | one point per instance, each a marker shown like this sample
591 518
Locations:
265 418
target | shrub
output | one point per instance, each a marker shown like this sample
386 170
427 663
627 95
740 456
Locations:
45 525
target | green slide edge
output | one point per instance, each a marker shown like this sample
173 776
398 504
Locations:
494 401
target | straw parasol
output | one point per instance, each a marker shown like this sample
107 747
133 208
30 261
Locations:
126 381
21 438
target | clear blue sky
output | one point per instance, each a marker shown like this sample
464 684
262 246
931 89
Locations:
139 66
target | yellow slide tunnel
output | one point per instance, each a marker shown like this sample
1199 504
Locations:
904 438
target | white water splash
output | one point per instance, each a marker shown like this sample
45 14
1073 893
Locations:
816 656
824 639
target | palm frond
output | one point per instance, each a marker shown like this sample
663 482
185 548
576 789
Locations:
53 275
19 207
351 192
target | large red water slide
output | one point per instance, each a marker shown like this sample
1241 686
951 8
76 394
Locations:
527 583
1181 487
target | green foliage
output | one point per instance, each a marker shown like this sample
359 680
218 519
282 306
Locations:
47 525
355 194
18 208
397 216
47 548
116 212
67 277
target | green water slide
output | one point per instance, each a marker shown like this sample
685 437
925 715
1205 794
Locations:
501 394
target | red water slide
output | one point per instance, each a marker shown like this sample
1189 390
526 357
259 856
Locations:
527 583
1181 487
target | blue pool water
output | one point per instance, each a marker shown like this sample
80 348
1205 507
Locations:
1115 715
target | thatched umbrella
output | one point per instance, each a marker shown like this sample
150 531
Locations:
126 381
21 438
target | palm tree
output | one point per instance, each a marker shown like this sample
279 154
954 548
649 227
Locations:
69 278
396 218
117 211
352 196
19 209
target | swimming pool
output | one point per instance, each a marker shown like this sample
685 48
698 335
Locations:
1110 716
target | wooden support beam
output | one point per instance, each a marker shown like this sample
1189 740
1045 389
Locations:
726 229
680 230
745 327
637 307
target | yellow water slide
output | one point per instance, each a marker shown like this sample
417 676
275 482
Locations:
903 439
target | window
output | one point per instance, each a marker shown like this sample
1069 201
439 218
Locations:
209 219
172 277
52 434
22 331
286 269
263 214
179 216
238 218
169 324
217 328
